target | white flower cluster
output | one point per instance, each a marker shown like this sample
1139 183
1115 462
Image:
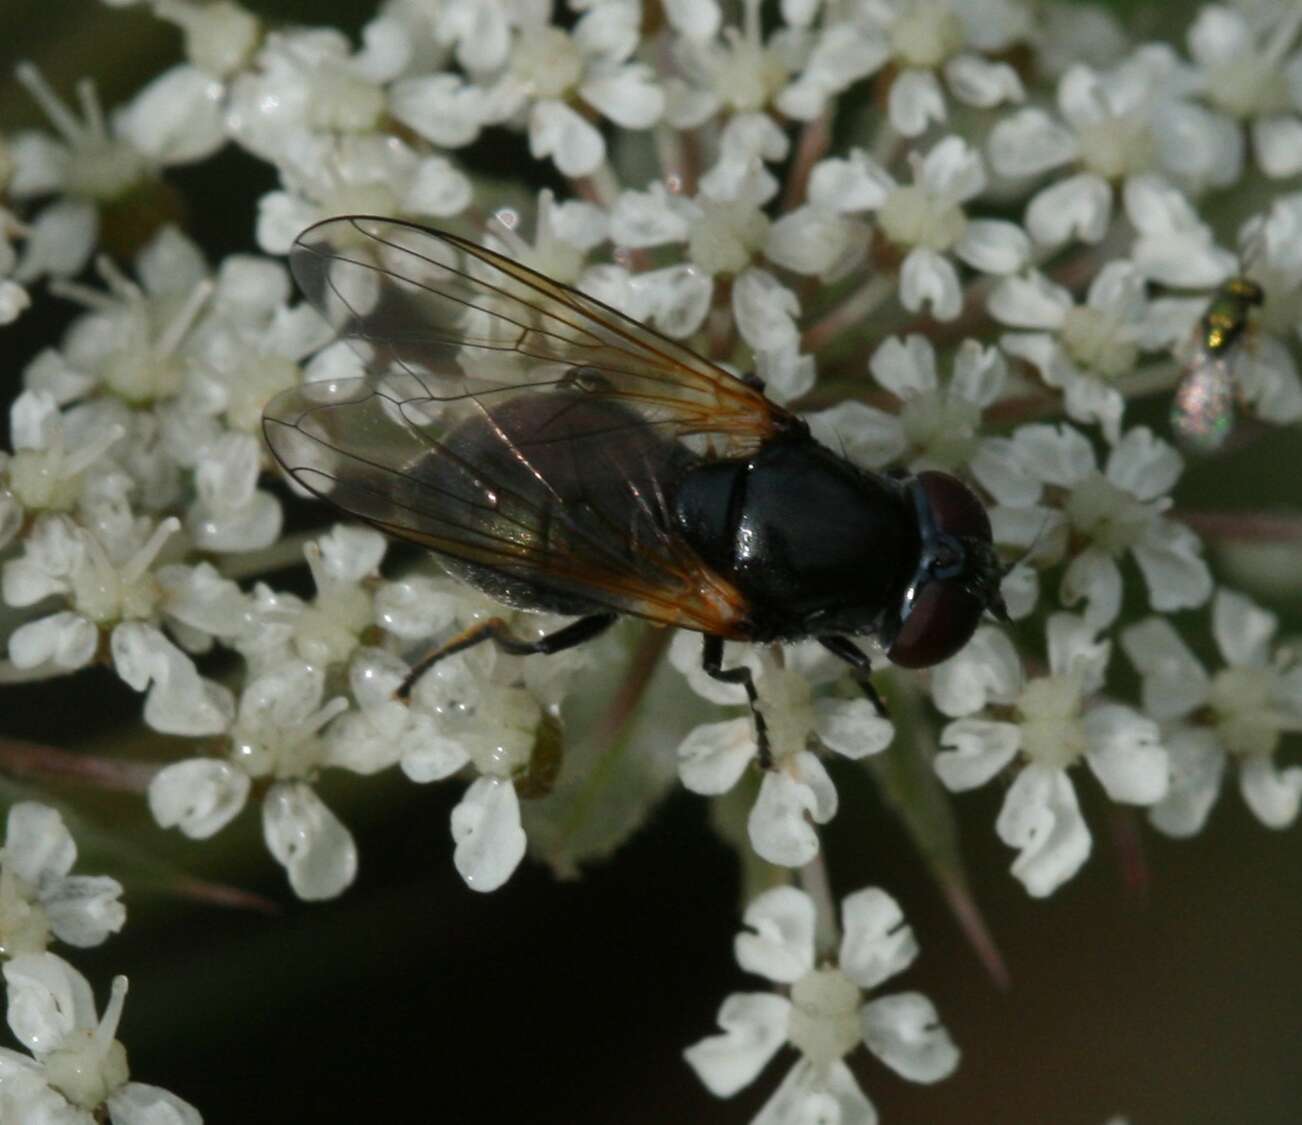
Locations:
76 1072
1005 198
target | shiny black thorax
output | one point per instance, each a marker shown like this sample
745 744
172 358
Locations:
817 545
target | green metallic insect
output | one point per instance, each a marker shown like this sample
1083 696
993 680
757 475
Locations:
1203 410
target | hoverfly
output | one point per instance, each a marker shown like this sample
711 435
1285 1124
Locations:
1202 412
562 457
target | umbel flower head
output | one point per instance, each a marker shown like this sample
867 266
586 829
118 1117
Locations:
976 236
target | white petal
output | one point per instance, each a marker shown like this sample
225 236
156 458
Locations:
713 756
308 840
1277 144
138 1103
698 20
48 1001
1272 794
986 670
994 246
180 701
489 840
1029 301
809 240
84 909
979 373
979 82
1042 820
438 189
876 943
953 170
927 277
781 946
628 96
427 754
1029 142
1075 651
1093 577
59 241
765 310
675 299
852 183
1144 465
978 749
1001 467
441 108
779 824
557 131
852 727
754 1027
905 367
865 435
650 218
785 373
1243 630
1125 754
64 639
1174 682
1060 455
915 102
1079 207
905 1032
177 118
37 844
811 1096
1173 568
1197 764
200 796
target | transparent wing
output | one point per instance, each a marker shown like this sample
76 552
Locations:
424 300
486 430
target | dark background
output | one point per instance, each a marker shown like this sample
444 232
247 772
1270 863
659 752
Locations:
1177 1004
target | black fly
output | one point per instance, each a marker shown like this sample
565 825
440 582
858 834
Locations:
562 457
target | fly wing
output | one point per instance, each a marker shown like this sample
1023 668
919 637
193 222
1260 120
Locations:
409 295
507 426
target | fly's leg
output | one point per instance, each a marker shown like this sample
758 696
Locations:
495 629
853 655
712 662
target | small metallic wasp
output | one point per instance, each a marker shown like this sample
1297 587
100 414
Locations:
561 457
1202 412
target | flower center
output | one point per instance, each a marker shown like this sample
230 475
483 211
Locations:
503 745
726 237
1110 516
941 427
255 386
90 1063
548 62
1245 720
913 216
283 750
824 1020
926 34
1095 340
788 710
1049 711
1116 146
746 74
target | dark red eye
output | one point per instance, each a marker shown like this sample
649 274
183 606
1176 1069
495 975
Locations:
954 507
942 621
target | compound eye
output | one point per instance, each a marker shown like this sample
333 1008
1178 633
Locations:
954 507
943 618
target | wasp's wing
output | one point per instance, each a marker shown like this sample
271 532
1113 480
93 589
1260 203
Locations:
532 450
420 298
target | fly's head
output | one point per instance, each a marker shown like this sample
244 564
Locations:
957 575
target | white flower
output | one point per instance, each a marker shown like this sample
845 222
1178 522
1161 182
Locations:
549 67
1129 120
796 793
1080 348
1052 723
926 222
824 1016
1099 516
937 423
38 896
276 736
1238 714
176 119
1250 70
77 1074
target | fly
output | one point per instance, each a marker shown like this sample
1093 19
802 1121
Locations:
561 457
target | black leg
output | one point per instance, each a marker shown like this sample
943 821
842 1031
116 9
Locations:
858 660
494 629
712 662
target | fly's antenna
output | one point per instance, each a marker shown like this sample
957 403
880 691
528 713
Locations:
1008 568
